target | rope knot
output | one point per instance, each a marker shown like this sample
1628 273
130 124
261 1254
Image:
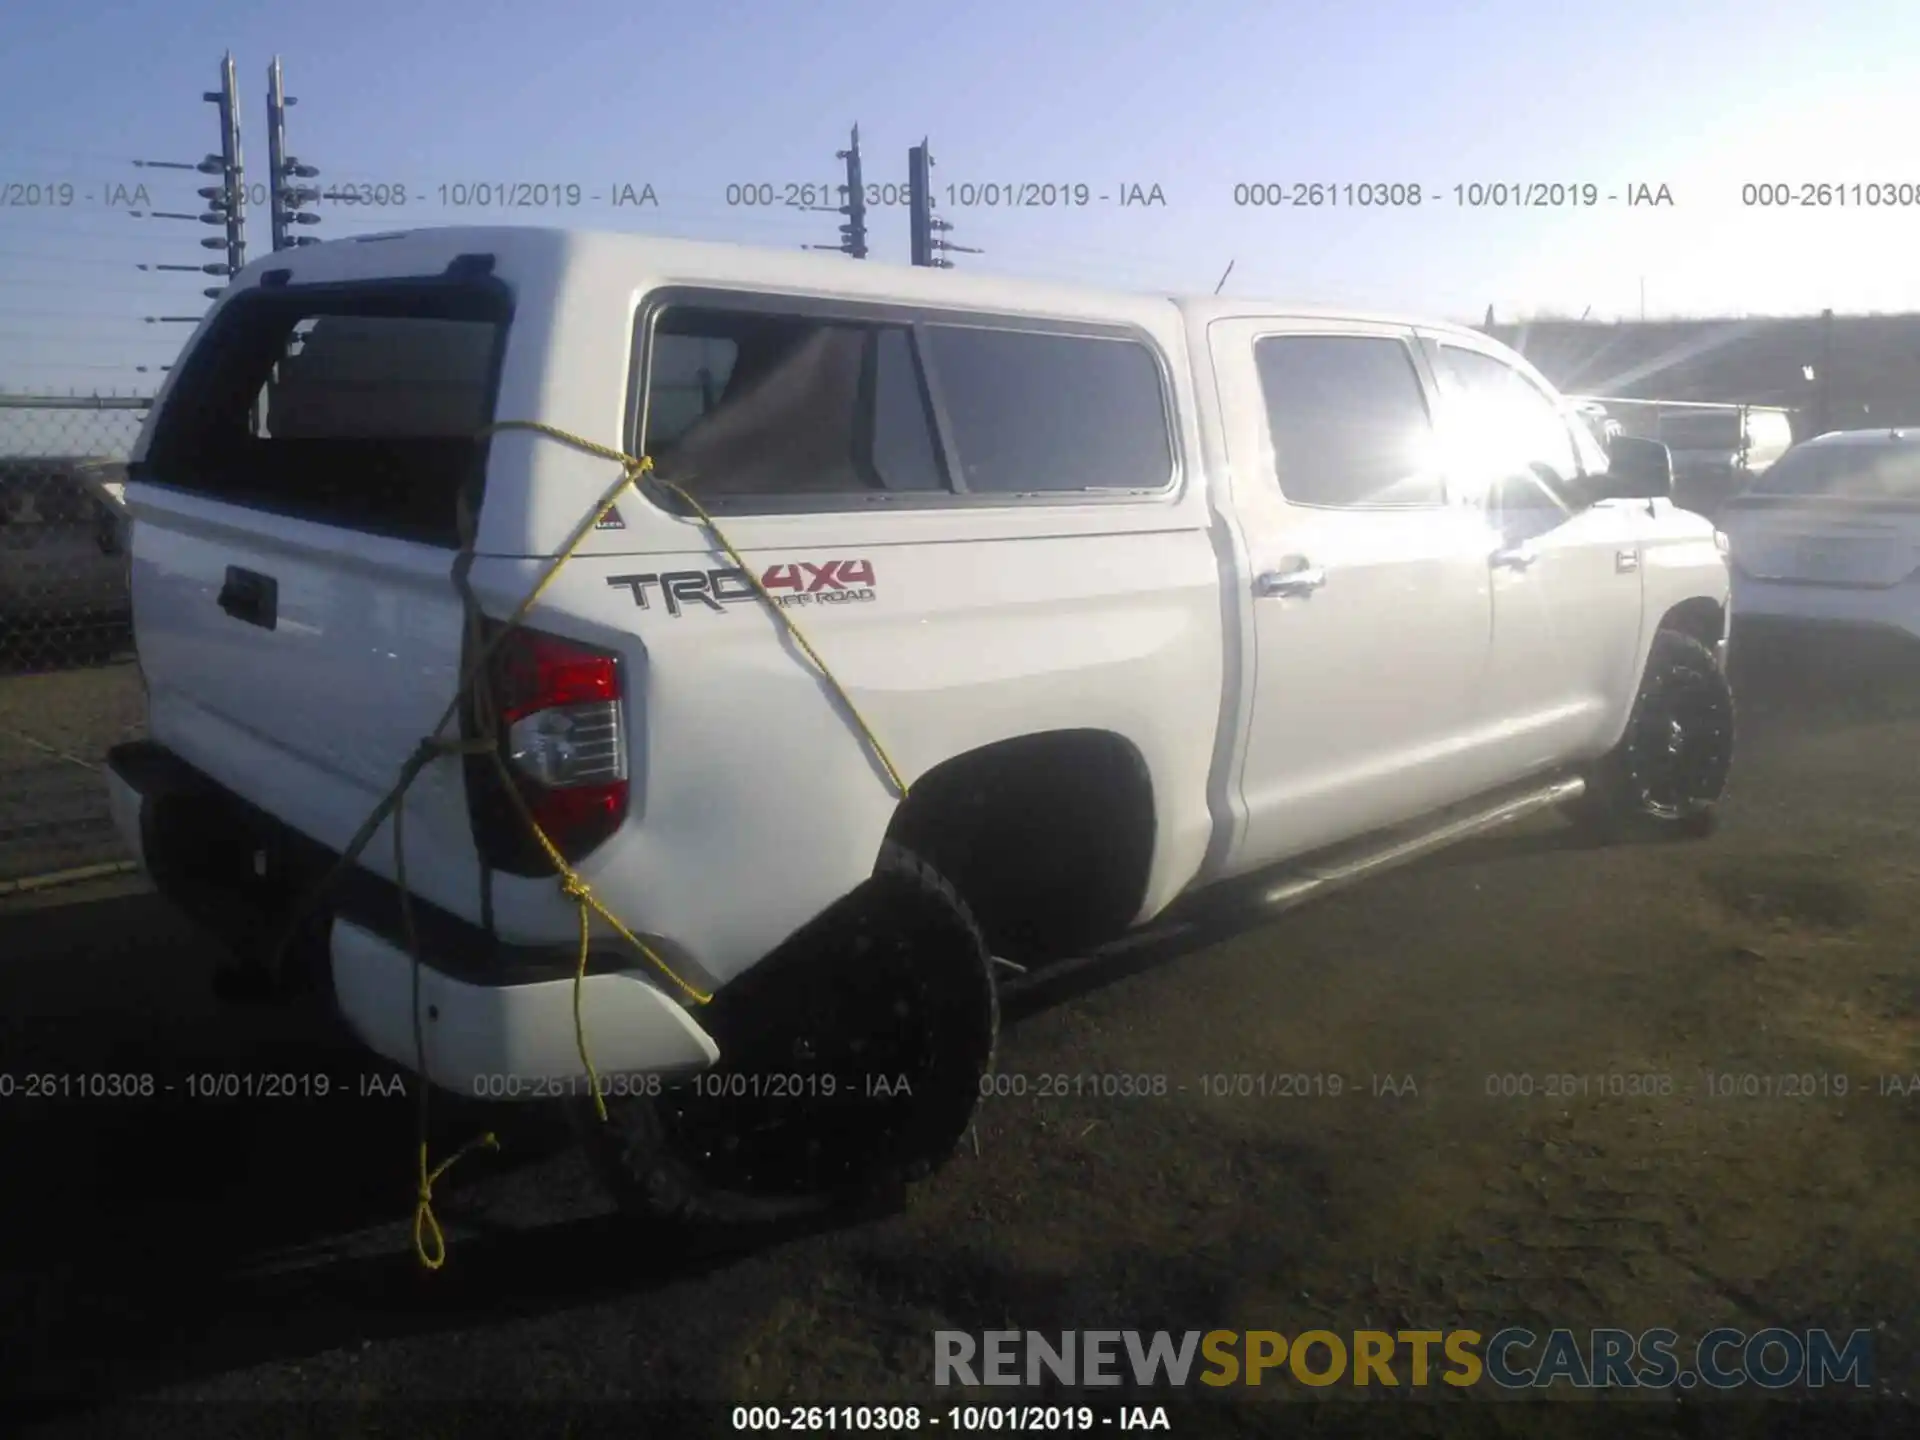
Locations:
573 887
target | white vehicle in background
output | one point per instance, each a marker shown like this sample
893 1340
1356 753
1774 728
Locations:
1830 535
1115 599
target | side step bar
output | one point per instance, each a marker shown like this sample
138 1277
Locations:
1388 853
1294 884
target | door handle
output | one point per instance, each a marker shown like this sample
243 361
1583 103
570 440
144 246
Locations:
250 596
1514 557
1626 561
1301 580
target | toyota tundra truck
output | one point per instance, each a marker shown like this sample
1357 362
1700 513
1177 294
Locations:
933 626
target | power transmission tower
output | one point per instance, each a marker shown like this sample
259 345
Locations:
927 229
284 198
920 206
853 234
226 202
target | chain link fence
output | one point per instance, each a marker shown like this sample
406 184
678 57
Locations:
68 687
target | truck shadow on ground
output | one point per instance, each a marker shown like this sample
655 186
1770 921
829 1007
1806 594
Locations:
148 1243
158 1240
150 1240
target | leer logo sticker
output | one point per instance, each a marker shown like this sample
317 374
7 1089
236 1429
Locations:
804 582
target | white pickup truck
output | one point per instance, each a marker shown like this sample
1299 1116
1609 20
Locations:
1134 596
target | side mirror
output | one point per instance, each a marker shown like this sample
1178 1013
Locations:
1637 469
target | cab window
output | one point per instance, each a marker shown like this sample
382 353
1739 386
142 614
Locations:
1348 419
1506 438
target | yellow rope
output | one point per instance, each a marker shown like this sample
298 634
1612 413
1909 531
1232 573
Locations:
429 1242
800 639
425 1226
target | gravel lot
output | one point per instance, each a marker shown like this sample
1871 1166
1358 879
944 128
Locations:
229 1255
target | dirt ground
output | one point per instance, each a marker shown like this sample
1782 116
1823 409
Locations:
56 724
132 1234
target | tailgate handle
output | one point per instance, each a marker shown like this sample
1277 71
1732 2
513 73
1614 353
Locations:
252 597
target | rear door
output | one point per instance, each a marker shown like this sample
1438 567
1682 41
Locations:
1370 605
296 503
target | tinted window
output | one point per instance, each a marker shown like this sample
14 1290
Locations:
1348 420
1036 412
1851 472
361 412
689 374
360 377
743 404
1504 432
904 450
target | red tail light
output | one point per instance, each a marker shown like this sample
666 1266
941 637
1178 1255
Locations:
558 708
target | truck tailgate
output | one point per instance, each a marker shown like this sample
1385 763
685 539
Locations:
297 502
310 704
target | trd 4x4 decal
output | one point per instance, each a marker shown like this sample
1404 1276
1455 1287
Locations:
831 582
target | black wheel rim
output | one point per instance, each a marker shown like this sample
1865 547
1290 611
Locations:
1682 745
829 1092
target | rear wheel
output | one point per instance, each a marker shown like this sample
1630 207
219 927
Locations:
852 1060
1666 777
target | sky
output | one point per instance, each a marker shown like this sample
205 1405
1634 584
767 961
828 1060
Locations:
1182 105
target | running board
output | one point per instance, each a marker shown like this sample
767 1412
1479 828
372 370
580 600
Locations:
1303 880
1390 853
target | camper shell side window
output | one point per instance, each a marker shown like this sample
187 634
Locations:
762 404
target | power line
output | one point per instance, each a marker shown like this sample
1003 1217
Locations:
69 154
72 260
64 365
92 289
41 337
70 316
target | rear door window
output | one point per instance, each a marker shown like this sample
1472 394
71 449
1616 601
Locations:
1349 422
355 409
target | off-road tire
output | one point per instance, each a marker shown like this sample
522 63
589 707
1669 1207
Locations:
1666 777
904 941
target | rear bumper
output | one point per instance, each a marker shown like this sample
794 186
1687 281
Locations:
1780 604
508 1041
496 1021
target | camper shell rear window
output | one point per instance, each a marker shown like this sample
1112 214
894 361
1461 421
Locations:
356 406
